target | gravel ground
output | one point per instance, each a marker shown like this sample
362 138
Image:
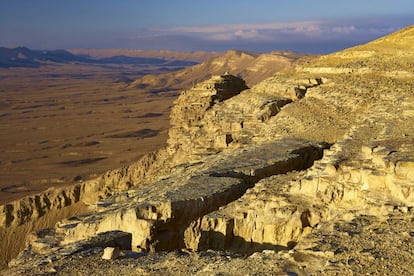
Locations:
365 245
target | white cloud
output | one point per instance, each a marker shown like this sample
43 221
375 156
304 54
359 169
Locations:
232 28
344 29
316 36
279 31
237 35
258 32
247 34
221 37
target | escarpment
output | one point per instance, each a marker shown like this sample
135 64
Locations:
223 113
187 115
300 157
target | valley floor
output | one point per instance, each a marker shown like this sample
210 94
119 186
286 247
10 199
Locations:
61 124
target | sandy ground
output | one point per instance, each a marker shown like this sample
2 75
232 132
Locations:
62 123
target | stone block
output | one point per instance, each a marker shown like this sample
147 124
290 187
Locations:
111 253
405 169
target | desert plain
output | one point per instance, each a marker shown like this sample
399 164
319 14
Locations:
62 123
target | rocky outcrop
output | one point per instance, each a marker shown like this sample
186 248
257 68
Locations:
21 217
159 216
187 115
221 113
303 156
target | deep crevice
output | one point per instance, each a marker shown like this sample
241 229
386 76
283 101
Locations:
170 235
225 239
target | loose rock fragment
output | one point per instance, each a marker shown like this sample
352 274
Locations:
111 253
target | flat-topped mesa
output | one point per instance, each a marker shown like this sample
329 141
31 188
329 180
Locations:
189 109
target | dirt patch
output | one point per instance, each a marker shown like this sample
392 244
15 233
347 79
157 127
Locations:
64 119
150 115
81 162
142 133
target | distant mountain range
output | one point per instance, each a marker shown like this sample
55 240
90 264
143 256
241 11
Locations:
196 56
25 57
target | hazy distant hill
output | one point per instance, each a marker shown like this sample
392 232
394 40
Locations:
196 56
252 67
144 60
24 57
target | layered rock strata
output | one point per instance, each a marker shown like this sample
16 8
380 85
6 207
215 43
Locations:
159 216
187 116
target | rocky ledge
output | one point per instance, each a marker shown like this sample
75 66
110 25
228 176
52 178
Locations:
307 172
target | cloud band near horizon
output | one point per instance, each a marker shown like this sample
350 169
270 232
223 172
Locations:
291 34
308 36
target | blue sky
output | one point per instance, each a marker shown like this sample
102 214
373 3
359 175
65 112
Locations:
257 25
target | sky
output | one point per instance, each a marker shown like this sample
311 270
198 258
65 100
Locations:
308 26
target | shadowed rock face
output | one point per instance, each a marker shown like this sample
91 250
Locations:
309 154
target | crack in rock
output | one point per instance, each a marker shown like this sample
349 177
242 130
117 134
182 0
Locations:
157 216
